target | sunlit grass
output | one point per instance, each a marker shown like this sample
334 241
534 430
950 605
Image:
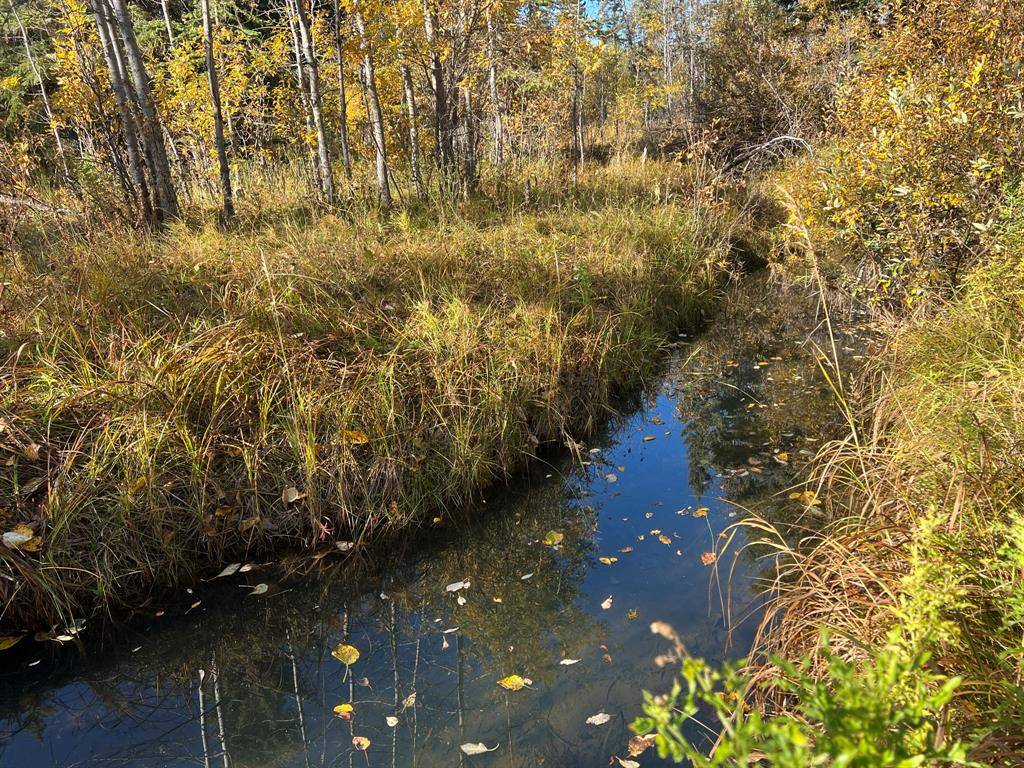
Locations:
381 369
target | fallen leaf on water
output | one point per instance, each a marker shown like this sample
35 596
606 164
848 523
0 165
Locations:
553 538
611 477
607 603
632 614
391 720
513 682
477 748
628 763
8 641
346 654
569 662
361 743
701 512
782 458
344 711
599 719
460 600
606 658
655 531
455 586
664 539
707 558
640 744
364 682
229 570
648 438
496 599
608 560
409 701
259 589
626 550
526 576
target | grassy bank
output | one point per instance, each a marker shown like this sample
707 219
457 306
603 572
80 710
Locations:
173 402
894 635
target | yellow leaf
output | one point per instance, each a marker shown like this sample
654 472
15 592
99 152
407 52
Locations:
664 539
553 538
608 560
9 640
344 711
701 512
512 683
355 437
361 743
708 558
346 654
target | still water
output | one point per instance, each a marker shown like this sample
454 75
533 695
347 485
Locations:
223 677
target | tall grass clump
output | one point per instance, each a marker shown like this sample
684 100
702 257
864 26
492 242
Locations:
172 401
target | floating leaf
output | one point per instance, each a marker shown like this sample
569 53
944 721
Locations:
455 586
8 641
361 743
409 701
599 719
346 654
460 600
260 589
632 614
229 570
701 512
648 438
628 763
513 683
664 539
526 576
611 478
607 603
608 560
626 550
569 662
391 720
477 748
553 538
708 558
640 744
344 711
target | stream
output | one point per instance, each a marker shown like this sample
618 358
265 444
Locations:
566 570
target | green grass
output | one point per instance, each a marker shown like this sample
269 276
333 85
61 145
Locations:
160 393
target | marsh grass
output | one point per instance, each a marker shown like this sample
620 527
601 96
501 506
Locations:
925 494
173 401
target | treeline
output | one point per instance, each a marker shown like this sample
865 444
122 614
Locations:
401 97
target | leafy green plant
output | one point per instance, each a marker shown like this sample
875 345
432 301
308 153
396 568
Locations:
885 712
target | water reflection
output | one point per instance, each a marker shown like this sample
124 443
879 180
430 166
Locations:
221 677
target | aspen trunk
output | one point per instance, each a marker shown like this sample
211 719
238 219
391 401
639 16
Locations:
136 168
374 113
498 127
166 198
218 120
346 155
315 102
414 131
442 108
167 21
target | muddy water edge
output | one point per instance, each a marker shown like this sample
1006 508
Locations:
556 580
